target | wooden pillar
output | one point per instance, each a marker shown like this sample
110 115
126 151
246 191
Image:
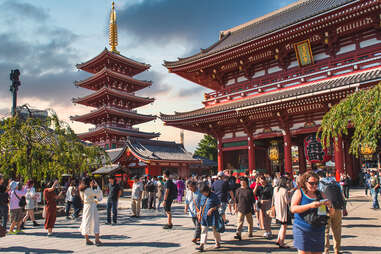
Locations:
287 152
220 154
302 158
251 153
339 162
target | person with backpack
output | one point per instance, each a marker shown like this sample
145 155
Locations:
374 188
208 216
160 192
244 207
151 189
221 188
169 195
309 206
17 203
114 193
334 194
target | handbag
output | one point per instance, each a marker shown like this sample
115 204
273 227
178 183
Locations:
22 200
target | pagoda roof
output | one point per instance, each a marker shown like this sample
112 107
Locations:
282 95
108 55
118 132
160 151
270 23
138 118
90 99
105 72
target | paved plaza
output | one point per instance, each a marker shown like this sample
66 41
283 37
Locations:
361 234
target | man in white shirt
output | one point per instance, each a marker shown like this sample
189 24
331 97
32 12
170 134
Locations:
136 196
191 200
69 198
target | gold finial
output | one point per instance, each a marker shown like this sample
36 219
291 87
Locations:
113 30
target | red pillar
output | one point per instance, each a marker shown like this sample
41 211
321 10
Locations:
302 159
287 152
147 170
220 154
251 154
339 163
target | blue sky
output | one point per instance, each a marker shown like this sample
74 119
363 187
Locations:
46 38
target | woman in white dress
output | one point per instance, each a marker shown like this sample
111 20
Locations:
30 203
281 201
90 195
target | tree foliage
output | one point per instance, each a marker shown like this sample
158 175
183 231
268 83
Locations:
39 149
360 111
207 148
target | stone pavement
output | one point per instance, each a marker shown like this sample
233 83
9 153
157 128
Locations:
361 234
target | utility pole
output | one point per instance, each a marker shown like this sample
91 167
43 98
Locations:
15 78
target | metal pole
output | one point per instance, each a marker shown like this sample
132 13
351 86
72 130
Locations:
15 78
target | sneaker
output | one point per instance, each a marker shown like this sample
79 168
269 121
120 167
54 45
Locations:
226 222
12 233
50 234
108 223
89 242
167 226
238 237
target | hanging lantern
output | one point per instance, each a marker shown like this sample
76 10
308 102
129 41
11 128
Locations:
274 152
314 151
367 152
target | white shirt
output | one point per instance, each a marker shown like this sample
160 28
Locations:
69 197
137 189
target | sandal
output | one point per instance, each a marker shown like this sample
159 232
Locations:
98 243
284 246
89 242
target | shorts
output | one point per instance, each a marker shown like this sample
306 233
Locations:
17 214
168 205
222 209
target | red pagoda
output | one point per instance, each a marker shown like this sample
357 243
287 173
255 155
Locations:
274 78
114 96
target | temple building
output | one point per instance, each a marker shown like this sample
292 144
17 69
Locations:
274 78
131 151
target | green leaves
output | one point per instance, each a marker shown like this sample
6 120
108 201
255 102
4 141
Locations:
360 111
36 149
207 148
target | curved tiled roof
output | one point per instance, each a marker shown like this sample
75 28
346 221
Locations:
106 90
115 111
107 72
274 21
108 54
118 131
296 92
155 150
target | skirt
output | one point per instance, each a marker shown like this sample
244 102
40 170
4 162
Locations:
306 240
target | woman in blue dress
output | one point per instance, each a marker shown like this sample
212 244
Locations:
308 239
207 209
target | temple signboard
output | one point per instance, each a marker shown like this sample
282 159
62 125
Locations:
304 53
314 151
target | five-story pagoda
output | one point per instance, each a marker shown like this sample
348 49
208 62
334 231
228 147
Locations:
114 96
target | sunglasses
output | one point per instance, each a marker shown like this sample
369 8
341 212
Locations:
313 183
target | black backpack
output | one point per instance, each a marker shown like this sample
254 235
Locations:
22 200
150 186
172 189
333 192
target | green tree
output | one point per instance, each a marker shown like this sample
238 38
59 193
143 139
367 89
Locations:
37 149
360 111
207 148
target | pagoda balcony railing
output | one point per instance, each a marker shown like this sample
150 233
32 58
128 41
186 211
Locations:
297 75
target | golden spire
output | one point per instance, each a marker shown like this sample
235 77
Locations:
113 30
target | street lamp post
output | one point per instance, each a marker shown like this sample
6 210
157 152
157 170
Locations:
15 78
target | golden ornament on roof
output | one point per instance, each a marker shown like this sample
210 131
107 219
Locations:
113 30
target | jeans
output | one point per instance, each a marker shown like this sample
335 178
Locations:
197 230
346 191
375 198
4 216
111 203
68 206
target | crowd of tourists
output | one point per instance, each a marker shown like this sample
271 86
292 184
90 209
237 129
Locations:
313 203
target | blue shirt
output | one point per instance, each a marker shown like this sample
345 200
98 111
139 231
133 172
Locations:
298 218
221 189
206 203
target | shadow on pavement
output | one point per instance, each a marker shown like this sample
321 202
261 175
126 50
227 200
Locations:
33 250
361 226
361 248
358 218
142 244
